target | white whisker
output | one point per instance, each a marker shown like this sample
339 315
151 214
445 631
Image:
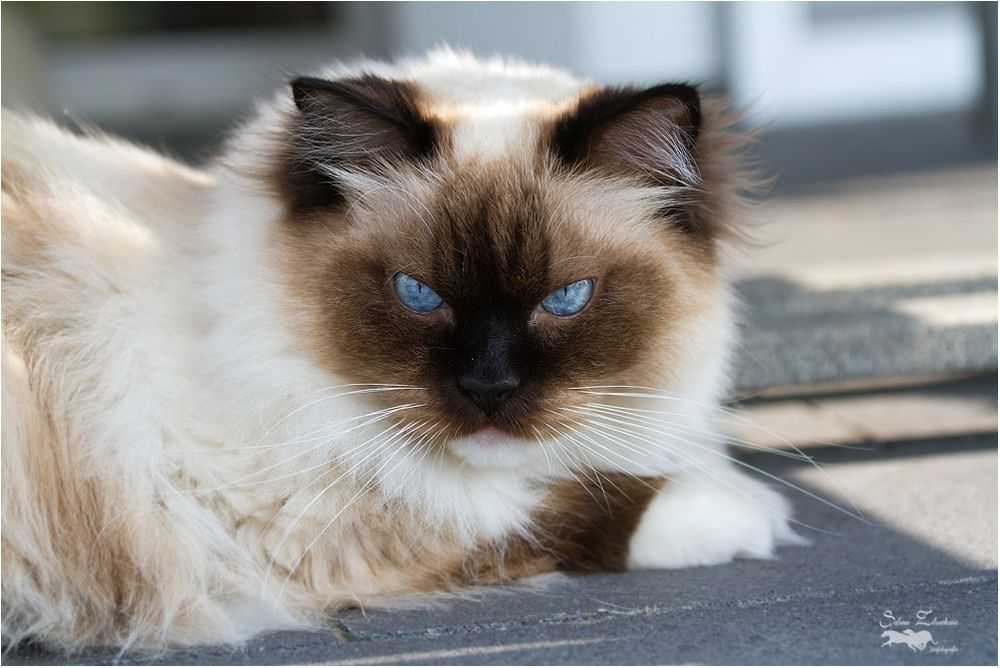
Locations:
364 489
330 464
323 432
736 418
566 468
586 460
631 447
738 462
797 455
696 430
733 416
367 390
597 454
326 441
382 447
701 467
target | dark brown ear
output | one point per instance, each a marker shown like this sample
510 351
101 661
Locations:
359 124
651 133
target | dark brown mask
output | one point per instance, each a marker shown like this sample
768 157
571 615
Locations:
607 188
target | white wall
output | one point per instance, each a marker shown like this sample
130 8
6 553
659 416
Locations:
789 62
910 59
608 41
793 63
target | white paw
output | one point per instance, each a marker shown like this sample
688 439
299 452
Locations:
705 522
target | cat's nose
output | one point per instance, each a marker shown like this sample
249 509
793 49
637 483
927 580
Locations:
488 393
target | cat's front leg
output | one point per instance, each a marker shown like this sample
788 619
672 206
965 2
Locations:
710 518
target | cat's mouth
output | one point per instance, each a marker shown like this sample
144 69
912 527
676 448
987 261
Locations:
486 434
491 446
496 430
515 416
491 433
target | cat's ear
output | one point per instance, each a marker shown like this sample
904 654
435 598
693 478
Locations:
651 133
362 124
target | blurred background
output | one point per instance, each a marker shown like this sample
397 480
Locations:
846 88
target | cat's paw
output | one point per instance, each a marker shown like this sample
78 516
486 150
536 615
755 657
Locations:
706 522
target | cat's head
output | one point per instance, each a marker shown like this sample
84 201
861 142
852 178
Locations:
504 248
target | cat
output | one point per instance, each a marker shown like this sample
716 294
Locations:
421 326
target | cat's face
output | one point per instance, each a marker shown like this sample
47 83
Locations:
491 291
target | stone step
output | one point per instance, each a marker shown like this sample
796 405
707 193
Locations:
942 409
889 277
796 334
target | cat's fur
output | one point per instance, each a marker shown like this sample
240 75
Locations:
190 450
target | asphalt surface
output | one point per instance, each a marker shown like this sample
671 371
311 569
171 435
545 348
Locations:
929 543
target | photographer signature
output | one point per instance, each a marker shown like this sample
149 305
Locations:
917 641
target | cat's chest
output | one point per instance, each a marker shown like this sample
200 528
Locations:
334 529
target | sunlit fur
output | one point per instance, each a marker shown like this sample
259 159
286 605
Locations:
216 423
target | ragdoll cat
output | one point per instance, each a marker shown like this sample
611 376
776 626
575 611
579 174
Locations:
422 326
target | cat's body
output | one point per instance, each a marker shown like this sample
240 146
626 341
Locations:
219 419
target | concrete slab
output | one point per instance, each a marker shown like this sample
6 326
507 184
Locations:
929 543
933 217
952 407
880 277
795 336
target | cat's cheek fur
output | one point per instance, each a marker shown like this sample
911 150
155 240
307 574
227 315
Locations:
694 521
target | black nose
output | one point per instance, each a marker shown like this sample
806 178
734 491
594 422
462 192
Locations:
488 393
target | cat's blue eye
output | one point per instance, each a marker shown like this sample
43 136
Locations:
415 295
570 299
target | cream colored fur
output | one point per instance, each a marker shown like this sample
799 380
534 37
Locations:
158 410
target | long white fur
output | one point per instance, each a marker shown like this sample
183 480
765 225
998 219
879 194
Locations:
154 333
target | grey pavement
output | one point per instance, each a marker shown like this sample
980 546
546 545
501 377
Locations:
928 542
796 336
892 276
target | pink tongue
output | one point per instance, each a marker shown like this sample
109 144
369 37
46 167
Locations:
489 435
